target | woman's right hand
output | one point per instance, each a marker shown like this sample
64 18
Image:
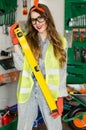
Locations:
12 34
59 104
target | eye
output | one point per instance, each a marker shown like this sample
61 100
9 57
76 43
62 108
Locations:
33 20
40 19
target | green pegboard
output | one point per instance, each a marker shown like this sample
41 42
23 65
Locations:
76 65
74 8
7 12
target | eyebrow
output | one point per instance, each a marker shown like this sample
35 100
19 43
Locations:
36 17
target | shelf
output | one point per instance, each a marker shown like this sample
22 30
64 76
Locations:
6 62
4 57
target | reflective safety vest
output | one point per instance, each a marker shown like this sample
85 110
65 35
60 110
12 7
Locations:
26 82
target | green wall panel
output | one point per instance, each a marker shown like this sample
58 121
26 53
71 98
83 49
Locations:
76 63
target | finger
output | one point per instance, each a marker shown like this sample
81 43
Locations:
56 116
54 113
13 27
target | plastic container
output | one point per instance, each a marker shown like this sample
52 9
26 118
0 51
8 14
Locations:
11 126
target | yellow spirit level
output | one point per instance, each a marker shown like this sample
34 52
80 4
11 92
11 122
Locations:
35 68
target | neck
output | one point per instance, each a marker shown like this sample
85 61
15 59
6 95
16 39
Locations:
43 36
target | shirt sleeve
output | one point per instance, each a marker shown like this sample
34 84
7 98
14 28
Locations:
63 75
18 59
62 87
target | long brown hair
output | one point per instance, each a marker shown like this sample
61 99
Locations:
33 40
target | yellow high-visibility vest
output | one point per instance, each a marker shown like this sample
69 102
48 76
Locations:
51 69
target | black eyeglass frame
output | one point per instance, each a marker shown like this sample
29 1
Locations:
39 19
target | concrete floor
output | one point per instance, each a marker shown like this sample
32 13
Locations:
43 127
66 126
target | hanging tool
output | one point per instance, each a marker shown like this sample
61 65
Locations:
35 68
74 66
25 10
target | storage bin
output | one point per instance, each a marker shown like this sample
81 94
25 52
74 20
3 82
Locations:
11 126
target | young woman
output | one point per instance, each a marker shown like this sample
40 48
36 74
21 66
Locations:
49 49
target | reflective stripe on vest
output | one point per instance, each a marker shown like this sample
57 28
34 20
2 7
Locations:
25 83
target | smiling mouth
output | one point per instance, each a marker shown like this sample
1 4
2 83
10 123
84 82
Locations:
39 27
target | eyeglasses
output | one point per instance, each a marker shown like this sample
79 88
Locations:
39 19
